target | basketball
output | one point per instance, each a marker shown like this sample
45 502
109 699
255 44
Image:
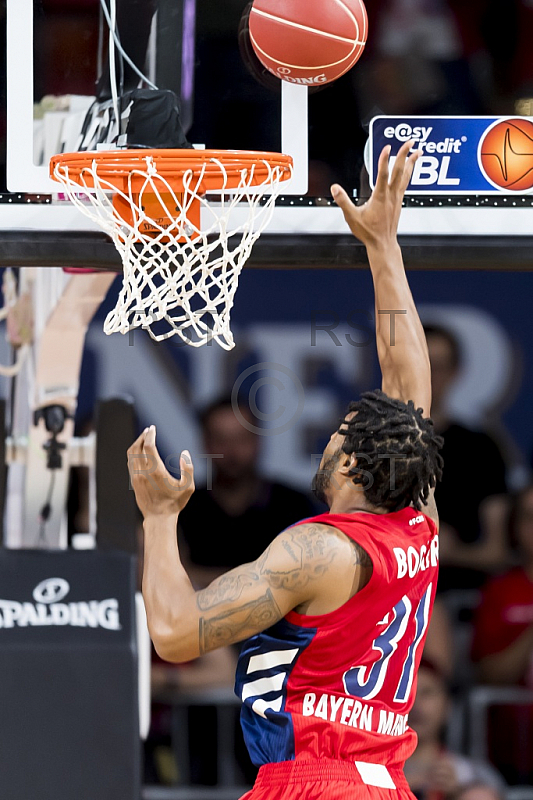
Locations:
308 42
506 155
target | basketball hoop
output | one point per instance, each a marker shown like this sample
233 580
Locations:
180 276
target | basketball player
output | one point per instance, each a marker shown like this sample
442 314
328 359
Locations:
335 611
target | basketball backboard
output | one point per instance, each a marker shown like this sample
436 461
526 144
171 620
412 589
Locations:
56 63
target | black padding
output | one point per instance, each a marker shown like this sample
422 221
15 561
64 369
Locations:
117 517
155 120
38 248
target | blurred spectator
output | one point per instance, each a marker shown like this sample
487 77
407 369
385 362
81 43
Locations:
471 496
503 639
439 645
433 770
232 521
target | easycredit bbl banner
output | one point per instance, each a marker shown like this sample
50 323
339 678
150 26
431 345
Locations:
460 155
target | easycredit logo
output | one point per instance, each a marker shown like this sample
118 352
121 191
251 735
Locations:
422 141
460 155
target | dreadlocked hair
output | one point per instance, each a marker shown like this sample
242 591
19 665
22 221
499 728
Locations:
396 448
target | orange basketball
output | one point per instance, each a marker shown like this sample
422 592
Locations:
506 154
310 42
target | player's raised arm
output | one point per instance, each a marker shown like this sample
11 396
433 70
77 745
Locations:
401 343
293 570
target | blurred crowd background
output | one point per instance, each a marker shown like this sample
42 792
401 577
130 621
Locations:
474 708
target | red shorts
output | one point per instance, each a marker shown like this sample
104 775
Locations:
329 780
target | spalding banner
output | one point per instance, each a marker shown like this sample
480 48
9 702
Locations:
460 155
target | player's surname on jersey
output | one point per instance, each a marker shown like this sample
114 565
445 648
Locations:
412 561
351 712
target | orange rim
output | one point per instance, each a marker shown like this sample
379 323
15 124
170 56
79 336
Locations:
119 167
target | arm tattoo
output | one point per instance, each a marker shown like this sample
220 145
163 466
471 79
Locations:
238 623
225 589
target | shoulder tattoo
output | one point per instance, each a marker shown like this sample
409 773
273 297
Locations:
311 549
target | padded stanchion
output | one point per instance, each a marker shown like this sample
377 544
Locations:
3 467
68 676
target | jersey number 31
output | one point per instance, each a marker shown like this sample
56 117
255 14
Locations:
366 682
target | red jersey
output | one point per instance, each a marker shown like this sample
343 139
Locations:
341 685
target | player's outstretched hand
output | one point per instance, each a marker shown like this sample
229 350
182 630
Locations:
156 491
376 222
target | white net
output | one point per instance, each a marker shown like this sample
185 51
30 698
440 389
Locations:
180 276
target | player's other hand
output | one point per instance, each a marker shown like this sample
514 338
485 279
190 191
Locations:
157 492
376 222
